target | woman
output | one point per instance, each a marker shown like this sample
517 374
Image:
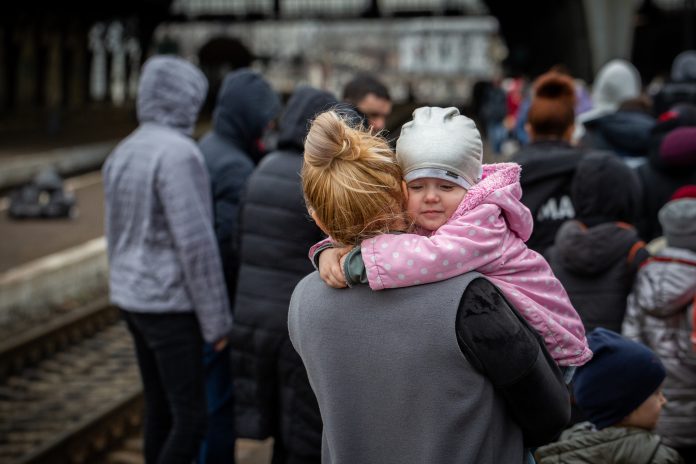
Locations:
390 369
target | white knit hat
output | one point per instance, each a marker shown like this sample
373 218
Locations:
440 143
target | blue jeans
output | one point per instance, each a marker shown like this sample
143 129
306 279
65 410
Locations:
218 447
169 348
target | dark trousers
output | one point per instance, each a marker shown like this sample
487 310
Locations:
169 348
218 446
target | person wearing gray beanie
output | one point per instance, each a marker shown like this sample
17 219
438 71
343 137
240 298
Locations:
660 313
440 143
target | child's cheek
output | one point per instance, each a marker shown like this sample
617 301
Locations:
412 207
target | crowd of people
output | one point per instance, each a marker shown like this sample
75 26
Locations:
539 309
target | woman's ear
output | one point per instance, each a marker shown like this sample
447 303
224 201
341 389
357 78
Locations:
404 189
318 222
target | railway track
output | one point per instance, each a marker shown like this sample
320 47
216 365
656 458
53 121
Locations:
69 389
70 393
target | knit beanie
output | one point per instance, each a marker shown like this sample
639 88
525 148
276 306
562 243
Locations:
678 148
678 220
440 143
621 375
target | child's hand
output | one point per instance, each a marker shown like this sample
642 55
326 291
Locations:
331 268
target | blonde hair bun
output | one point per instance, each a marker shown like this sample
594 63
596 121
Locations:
350 179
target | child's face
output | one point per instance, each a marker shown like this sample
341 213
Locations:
646 415
431 201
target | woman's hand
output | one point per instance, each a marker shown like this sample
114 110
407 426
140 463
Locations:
331 266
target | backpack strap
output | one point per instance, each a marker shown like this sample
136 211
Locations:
664 259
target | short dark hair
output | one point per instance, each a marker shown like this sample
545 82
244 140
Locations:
361 86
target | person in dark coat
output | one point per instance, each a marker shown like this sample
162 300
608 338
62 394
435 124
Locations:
681 87
245 106
273 395
625 132
597 255
549 161
671 164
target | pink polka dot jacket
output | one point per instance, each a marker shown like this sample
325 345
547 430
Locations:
487 234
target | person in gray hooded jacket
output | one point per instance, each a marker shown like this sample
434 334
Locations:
165 270
660 314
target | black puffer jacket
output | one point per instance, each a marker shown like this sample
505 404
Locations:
596 257
272 392
547 170
245 105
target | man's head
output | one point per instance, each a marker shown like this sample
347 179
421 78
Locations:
371 98
621 384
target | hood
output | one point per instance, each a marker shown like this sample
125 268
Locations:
684 67
584 443
616 82
597 195
500 186
246 103
626 132
306 102
590 251
171 92
664 288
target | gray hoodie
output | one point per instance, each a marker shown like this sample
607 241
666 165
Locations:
162 251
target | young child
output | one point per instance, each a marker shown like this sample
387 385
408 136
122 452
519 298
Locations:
661 314
467 217
620 391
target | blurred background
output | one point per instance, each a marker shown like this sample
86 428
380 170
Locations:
68 78
69 65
